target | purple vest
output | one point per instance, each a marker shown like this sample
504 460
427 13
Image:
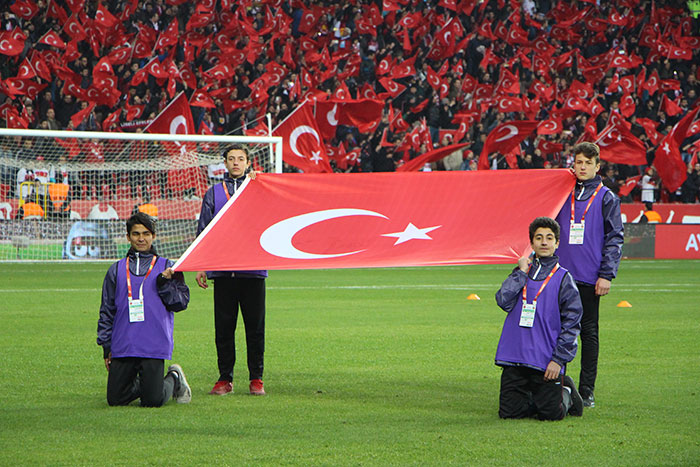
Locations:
152 337
533 346
220 199
583 261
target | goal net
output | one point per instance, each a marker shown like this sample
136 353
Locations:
67 194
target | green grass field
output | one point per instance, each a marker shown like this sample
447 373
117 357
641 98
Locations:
363 367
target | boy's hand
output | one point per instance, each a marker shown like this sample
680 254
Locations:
108 361
202 279
602 286
252 174
552 371
168 273
524 263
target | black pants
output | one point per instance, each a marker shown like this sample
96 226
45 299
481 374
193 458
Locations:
589 338
249 294
132 378
525 393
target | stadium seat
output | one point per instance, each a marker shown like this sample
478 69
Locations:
4 191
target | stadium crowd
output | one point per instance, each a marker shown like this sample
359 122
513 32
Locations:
450 71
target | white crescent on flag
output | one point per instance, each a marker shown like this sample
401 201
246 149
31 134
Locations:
277 239
296 133
512 131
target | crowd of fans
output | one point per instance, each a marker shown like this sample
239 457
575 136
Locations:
221 53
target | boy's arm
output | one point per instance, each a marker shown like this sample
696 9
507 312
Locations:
108 308
614 232
511 290
570 309
207 212
172 289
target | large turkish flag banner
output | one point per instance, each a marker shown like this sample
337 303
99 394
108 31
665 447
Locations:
314 221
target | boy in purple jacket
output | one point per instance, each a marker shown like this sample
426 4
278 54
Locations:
539 333
135 329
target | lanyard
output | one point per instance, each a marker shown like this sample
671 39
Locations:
128 277
541 287
228 197
590 201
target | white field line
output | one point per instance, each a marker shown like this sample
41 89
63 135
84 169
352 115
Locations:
677 287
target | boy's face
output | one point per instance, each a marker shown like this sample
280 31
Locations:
236 162
544 242
140 238
585 168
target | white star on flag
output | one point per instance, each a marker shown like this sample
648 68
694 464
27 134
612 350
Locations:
411 232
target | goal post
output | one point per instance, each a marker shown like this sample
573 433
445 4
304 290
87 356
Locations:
65 195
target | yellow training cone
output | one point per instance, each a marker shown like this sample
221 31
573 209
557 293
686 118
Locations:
624 304
476 297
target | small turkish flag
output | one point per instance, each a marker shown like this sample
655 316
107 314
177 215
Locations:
51 38
505 137
10 46
175 119
303 146
78 118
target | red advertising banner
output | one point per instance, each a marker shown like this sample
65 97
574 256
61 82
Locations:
312 221
677 241
677 213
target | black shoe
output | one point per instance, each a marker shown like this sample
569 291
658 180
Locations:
589 401
576 408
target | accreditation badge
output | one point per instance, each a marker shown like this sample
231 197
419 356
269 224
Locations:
576 233
527 315
136 313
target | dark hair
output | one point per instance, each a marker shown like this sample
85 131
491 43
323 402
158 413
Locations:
589 150
547 223
239 147
649 205
143 219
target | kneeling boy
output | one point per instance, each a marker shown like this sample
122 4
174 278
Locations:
539 334
135 329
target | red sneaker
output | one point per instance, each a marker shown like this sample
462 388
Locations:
256 387
221 388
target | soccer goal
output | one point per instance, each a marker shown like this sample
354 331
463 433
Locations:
66 194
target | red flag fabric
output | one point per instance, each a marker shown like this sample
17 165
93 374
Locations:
303 147
51 38
24 9
670 107
618 145
9 45
629 185
78 118
505 137
104 18
175 119
430 156
302 221
669 164
667 159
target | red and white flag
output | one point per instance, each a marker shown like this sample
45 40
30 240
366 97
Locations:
505 137
311 221
175 119
303 145
667 159
629 185
618 145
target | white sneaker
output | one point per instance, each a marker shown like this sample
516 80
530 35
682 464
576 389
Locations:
184 394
